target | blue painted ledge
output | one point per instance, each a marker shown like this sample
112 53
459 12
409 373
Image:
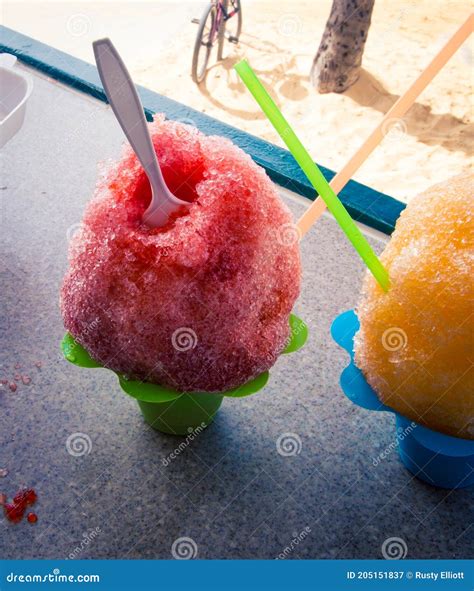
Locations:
366 205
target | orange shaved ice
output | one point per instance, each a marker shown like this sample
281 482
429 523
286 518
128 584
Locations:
415 345
201 304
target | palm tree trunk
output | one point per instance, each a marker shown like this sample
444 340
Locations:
336 65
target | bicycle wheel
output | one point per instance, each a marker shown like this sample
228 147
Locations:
221 33
230 28
234 24
203 45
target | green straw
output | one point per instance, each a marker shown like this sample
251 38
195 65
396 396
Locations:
315 176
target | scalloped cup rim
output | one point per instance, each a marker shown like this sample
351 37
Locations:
365 396
149 392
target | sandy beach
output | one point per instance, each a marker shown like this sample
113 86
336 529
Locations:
280 38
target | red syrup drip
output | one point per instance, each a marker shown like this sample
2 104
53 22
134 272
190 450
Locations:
14 511
26 496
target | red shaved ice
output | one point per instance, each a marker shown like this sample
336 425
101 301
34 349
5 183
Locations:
201 304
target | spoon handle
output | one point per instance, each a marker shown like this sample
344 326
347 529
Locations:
125 102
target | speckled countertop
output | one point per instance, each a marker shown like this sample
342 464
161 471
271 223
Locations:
230 491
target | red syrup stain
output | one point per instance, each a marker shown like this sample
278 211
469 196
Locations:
14 511
26 496
19 378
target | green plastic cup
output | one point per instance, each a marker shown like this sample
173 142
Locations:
183 415
172 412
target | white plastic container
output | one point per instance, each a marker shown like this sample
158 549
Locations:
15 88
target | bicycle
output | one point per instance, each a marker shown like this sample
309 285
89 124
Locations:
212 28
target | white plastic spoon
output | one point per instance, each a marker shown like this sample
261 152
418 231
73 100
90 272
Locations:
125 102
